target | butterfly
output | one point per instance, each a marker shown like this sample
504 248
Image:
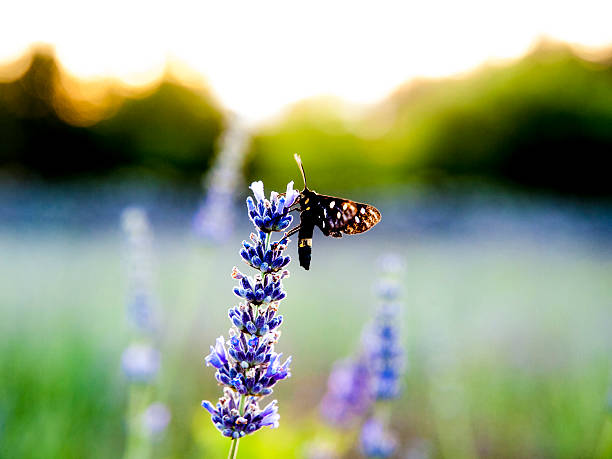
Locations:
332 215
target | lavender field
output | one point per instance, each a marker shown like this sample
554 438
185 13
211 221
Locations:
506 324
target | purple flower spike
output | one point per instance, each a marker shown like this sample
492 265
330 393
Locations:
384 351
374 375
246 364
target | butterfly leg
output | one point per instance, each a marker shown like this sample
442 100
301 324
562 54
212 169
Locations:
293 231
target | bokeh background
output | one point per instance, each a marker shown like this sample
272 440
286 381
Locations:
482 133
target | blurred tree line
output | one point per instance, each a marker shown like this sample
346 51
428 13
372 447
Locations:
169 132
543 122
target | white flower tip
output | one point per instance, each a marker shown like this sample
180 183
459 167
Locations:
291 194
258 190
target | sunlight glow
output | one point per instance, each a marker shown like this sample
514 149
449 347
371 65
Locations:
260 56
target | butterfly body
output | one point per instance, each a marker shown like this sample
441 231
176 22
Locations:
332 215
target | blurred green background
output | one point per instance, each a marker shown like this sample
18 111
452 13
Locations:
540 123
493 186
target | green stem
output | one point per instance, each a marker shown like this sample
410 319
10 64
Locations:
233 452
268 237
241 405
604 447
137 444
263 275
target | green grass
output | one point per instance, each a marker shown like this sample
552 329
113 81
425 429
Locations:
508 343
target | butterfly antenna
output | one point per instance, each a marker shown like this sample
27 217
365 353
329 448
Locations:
298 160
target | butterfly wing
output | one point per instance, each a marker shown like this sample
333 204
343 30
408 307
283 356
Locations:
335 216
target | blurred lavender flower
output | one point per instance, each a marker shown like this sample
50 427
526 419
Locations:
355 385
375 441
391 263
348 396
155 419
384 352
140 362
214 220
387 289
141 303
381 339
246 364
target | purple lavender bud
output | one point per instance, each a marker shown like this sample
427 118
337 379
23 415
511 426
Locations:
281 205
291 195
251 328
258 190
251 205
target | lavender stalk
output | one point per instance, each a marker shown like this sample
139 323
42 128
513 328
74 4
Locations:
360 387
214 220
246 364
385 354
141 359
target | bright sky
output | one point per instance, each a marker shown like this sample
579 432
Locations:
258 56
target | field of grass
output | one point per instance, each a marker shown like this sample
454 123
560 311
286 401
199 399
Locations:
507 334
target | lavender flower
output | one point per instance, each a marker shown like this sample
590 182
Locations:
246 363
140 362
260 289
234 422
260 323
214 219
375 441
271 215
348 395
384 352
141 303
355 385
155 419
267 260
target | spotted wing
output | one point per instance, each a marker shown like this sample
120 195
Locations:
335 216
